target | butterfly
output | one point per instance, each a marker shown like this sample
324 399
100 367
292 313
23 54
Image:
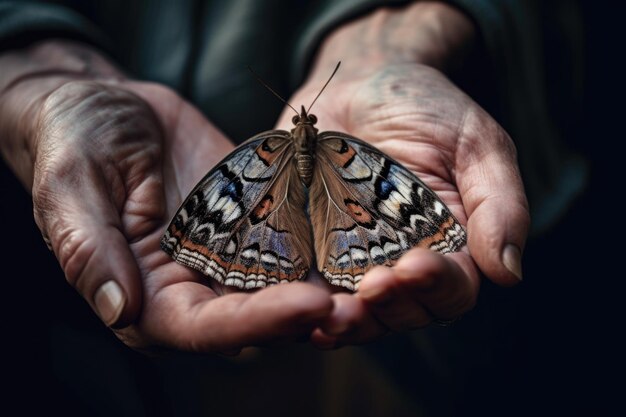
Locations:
283 199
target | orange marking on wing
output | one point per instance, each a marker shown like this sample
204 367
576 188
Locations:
358 213
228 266
178 234
259 270
189 245
437 237
266 153
264 208
342 159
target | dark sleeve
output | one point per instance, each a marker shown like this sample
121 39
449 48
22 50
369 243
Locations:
24 22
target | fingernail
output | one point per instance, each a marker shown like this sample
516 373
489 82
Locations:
512 260
109 301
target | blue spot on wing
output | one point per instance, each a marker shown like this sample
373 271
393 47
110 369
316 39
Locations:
384 188
233 190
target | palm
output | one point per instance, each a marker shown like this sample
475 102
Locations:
179 308
115 161
416 116
185 151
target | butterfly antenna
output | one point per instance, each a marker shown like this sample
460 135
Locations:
264 84
322 90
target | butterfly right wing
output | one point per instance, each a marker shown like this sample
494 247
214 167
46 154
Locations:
242 224
367 209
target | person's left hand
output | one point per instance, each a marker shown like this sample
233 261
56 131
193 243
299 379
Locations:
417 116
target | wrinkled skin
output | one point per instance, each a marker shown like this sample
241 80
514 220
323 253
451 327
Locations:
114 163
418 117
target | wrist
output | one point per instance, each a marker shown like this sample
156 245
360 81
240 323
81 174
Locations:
28 77
427 33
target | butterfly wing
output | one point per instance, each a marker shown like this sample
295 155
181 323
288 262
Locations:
367 209
244 224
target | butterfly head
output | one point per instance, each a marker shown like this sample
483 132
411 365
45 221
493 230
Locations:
304 119
304 133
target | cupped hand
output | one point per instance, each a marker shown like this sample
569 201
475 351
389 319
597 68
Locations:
417 116
113 162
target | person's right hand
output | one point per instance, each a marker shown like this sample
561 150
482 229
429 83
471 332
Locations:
113 161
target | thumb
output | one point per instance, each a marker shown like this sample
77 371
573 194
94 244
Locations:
82 227
493 195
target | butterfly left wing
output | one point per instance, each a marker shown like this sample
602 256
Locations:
244 224
367 209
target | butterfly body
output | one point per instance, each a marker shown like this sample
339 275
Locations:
304 136
261 214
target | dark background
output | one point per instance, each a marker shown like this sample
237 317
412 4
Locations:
555 351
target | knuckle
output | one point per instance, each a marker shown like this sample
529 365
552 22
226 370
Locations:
96 114
480 135
57 102
71 91
75 249
53 176
64 107
489 234
54 169
427 280
49 193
